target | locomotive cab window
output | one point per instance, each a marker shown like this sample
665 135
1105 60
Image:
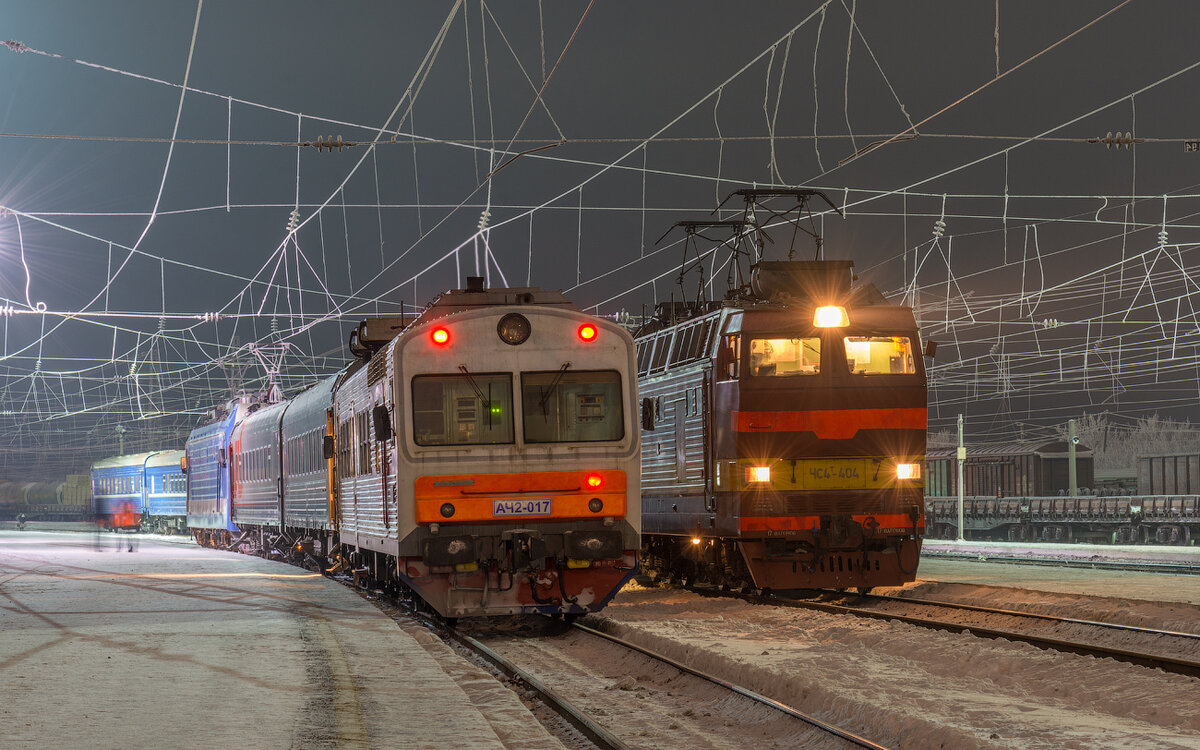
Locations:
467 409
785 356
880 355
567 406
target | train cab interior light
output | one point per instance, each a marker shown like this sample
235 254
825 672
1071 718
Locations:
440 336
831 316
758 474
908 471
695 540
587 332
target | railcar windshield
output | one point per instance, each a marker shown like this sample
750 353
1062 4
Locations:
567 406
466 409
880 355
785 356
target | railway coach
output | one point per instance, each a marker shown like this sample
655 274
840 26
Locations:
482 456
142 491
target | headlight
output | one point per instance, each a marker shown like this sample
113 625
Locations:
908 471
758 474
513 329
831 316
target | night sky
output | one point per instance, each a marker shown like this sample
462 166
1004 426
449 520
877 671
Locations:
1063 282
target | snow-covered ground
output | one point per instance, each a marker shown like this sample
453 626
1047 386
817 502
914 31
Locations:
175 646
157 648
908 687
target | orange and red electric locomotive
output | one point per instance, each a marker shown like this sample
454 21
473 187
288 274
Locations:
783 429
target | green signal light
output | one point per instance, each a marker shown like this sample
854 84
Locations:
495 410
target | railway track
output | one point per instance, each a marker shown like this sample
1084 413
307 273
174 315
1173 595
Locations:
1141 658
1168 568
602 737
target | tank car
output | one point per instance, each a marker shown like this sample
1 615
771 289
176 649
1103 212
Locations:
482 456
784 434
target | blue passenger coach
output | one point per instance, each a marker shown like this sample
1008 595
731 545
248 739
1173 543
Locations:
206 463
139 491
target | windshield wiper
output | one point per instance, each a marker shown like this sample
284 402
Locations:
487 402
547 391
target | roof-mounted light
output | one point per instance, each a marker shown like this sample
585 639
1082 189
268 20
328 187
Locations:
513 329
831 316
440 336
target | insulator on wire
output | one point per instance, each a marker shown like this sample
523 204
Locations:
210 317
293 221
1162 236
7 311
939 228
484 218
1118 139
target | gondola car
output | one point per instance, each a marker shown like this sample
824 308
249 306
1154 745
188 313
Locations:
139 491
784 434
481 456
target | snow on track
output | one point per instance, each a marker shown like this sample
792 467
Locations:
909 687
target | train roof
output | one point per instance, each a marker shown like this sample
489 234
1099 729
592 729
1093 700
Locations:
475 295
373 334
155 458
1051 449
165 458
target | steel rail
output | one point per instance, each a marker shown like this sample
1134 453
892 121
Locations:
595 733
1165 663
1033 615
1137 567
807 718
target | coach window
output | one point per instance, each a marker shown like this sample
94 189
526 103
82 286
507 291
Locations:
567 406
467 409
785 356
880 355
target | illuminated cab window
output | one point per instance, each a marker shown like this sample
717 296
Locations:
568 406
880 355
784 357
474 409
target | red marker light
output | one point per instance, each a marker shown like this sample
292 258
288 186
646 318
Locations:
587 332
594 481
440 336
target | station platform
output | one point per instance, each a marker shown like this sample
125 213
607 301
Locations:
987 563
178 646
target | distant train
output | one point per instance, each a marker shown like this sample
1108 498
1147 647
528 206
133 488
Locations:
1021 492
67 500
483 456
140 491
784 434
1015 469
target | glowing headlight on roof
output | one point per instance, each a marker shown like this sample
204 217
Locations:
831 316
